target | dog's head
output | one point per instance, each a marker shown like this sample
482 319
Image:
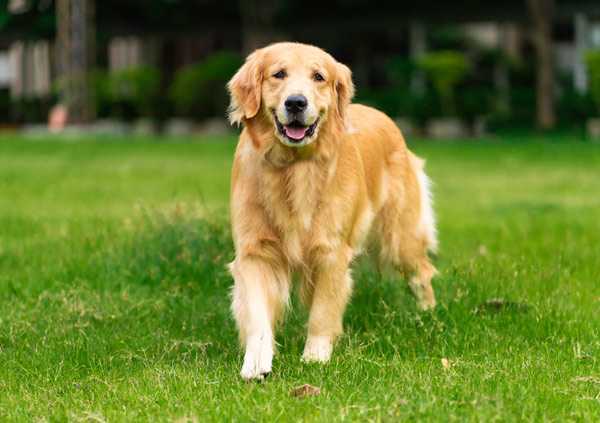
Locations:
294 88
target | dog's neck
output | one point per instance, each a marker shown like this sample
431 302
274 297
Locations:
280 156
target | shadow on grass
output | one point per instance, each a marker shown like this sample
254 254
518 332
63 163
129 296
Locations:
157 290
162 294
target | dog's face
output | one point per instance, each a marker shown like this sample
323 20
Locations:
296 88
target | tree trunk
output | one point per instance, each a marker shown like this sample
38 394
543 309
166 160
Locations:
542 12
75 38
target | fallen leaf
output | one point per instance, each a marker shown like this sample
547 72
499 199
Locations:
445 363
305 391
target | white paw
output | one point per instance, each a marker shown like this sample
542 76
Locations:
257 363
318 348
423 293
426 304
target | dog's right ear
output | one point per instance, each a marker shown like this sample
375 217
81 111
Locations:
245 89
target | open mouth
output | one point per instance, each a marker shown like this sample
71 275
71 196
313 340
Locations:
295 131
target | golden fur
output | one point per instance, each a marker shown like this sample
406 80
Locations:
310 209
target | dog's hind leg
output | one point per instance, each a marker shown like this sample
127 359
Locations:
406 233
419 279
419 283
409 261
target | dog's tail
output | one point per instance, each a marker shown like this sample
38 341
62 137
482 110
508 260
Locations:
427 220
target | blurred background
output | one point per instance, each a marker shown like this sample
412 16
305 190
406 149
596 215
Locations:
440 69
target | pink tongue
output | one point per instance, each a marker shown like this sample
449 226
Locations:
295 132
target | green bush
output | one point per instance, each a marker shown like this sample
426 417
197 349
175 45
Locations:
475 101
445 69
522 109
136 88
593 65
574 108
101 93
29 109
447 37
391 101
424 107
399 71
198 91
6 106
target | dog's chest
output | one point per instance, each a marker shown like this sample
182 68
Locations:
292 198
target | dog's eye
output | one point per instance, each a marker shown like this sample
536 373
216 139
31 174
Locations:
318 77
279 74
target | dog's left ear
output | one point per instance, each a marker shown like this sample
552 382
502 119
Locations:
344 90
245 89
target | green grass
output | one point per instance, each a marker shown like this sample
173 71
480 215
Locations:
114 298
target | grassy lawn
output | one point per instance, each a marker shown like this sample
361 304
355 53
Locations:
114 298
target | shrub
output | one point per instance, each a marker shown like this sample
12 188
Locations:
399 71
6 106
101 93
29 109
475 101
574 107
137 87
445 69
198 91
392 101
593 65
396 102
522 109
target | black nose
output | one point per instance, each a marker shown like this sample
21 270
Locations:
296 103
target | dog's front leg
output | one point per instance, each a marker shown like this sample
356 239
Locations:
261 289
332 286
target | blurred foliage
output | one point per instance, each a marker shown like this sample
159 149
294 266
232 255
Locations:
198 91
476 94
5 106
25 110
136 87
446 37
475 101
34 20
464 83
593 65
521 110
399 70
397 99
102 93
445 69
574 108
127 93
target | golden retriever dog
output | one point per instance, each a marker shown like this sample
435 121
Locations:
316 180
